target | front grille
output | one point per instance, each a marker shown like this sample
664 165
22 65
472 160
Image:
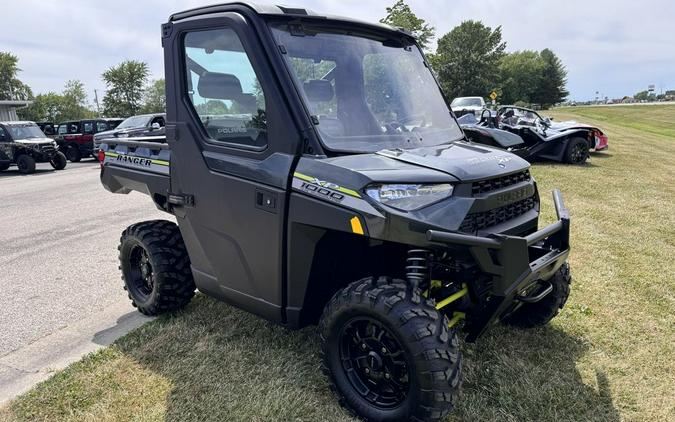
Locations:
482 220
489 185
47 149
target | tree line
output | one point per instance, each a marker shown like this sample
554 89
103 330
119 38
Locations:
470 60
129 91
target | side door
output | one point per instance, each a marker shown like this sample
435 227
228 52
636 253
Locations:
233 145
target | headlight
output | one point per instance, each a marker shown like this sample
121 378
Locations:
409 197
123 135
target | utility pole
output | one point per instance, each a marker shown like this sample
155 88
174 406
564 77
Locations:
98 109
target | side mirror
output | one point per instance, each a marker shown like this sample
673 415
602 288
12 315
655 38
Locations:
155 126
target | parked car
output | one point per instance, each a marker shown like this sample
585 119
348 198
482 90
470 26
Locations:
23 144
464 105
76 138
48 128
527 134
141 125
309 204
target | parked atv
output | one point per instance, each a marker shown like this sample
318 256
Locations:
525 133
318 176
24 144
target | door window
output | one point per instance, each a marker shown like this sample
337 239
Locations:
101 126
88 127
224 89
63 129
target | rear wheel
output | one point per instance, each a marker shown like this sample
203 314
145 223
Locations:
26 164
577 151
540 313
388 352
155 267
58 161
73 154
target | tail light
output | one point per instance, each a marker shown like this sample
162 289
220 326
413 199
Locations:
101 157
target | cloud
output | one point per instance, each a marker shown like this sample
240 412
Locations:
615 47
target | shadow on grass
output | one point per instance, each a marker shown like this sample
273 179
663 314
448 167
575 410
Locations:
225 364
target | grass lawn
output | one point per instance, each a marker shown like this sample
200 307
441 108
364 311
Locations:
609 356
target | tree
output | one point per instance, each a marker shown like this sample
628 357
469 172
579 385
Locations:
553 81
154 97
11 88
401 16
467 59
642 96
521 74
125 88
71 104
74 102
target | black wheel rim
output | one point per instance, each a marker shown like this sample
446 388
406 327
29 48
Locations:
374 362
22 165
579 151
141 278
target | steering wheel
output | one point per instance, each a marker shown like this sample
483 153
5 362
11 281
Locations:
395 127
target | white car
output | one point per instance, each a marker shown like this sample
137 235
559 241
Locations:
464 105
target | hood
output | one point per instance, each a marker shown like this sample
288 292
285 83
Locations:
34 141
462 161
118 132
462 108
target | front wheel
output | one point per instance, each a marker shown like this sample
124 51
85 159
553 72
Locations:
58 161
577 151
155 267
26 164
388 352
540 313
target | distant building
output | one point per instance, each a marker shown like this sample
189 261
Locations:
8 109
670 95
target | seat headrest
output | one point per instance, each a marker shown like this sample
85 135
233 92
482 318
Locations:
219 86
318 90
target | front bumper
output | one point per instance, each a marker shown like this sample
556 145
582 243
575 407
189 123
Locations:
514 262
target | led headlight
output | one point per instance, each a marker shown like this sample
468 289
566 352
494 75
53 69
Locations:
409 197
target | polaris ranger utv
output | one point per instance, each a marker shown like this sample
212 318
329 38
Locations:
24 144
317 175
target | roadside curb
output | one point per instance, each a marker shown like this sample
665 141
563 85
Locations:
22 368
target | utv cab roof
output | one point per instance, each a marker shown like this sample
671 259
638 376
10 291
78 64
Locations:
281 11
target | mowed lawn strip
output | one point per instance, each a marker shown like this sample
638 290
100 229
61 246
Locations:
608 356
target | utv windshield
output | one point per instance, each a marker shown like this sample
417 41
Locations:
25 132
366 94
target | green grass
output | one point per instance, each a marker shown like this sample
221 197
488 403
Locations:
609 355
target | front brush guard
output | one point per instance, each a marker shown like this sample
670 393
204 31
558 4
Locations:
514 262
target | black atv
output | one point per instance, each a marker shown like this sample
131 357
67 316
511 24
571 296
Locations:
317 176
24 144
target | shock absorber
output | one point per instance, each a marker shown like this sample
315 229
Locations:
417 266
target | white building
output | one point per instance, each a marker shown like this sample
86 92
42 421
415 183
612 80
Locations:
8 109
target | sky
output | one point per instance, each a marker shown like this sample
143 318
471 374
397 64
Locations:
615 47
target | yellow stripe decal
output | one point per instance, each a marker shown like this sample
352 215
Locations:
311 179
356 225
